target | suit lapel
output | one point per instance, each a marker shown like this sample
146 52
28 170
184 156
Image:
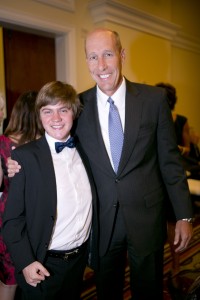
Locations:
46 167
133 113
90 133
89 129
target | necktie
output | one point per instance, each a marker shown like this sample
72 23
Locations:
116 135
59 146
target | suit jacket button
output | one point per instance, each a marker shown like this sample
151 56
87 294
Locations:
116 180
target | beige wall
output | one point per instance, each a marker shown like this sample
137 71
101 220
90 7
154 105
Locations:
152 55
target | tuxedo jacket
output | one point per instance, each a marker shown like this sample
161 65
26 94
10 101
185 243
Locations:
32 204
150 170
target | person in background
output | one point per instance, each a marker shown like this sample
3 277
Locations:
133 191
193 159
22 119
2 104
187 140
182 128
194 145
48 215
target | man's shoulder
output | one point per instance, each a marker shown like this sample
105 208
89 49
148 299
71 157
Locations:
32 145
144 89
87 94
140 85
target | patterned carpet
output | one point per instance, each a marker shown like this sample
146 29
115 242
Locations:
190 270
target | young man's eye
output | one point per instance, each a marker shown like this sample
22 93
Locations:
46 112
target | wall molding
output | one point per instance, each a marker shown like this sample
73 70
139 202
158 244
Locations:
65 41
187 42
68 5
112 11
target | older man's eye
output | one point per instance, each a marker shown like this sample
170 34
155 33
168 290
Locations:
92 58
108 54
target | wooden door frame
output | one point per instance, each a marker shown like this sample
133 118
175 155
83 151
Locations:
64 41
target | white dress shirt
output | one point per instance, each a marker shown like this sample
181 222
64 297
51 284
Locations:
103 111
74 199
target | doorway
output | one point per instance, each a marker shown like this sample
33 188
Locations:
29 61
64 35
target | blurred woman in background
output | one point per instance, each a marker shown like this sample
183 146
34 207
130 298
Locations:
22 128
2 104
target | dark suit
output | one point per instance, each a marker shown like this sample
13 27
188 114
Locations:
150 167
29 229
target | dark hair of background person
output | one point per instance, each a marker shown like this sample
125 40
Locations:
23 119
171 93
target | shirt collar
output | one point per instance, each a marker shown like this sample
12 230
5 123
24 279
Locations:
118 97
51 141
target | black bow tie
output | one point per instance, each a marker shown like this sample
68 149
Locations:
59 146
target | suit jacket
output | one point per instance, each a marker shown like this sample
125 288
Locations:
150 169
32 204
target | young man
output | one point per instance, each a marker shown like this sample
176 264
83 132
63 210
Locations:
131 195
48 215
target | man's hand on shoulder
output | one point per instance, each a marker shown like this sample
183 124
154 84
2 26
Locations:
13 167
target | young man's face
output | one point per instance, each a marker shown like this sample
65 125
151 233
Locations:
57 120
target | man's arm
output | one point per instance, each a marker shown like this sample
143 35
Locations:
183 235
14 223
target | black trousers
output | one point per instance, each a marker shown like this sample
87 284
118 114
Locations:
65 281
146 273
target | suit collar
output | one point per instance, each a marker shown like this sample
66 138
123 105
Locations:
89 131
133 113
94 144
